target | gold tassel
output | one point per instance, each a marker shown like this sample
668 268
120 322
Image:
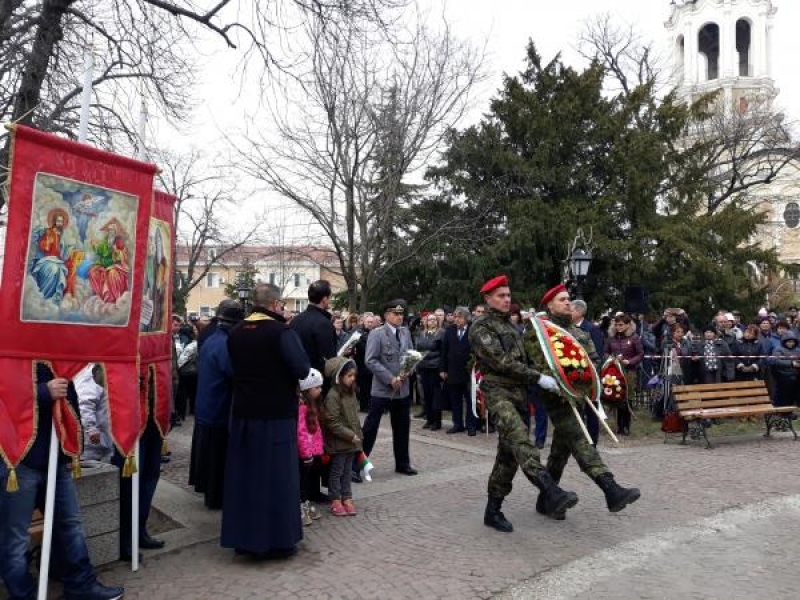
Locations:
164 447
12 485
76 468
129 468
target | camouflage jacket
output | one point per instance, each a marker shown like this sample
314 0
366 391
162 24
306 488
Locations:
500 351
536 354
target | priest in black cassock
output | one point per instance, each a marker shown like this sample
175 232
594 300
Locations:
260 515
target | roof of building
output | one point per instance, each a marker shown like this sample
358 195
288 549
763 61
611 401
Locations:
256 253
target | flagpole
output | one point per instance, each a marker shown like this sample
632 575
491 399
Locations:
135 483
52 460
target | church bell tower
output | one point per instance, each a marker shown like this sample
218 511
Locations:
723 45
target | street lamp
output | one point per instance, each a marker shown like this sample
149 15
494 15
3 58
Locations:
244 293
579 264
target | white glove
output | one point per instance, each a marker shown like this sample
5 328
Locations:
548 383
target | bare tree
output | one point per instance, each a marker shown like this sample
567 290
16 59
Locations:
749 146
374 109
204 196
141 46
742 147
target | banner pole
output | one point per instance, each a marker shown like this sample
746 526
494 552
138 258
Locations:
49 503
52 461
135 482
86 96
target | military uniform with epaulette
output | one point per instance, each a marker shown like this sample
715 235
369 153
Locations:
502 360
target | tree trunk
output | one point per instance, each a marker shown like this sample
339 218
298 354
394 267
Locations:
48 33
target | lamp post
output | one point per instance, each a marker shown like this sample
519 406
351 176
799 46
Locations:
579 264
244 293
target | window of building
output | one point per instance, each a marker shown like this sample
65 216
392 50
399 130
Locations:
791 215
297 278
300 305
212 280
212 254
743 38
272 279
708 46
205 311
680 49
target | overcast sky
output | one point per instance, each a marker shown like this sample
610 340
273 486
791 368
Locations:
504 26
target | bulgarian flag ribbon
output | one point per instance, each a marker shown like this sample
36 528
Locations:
567 359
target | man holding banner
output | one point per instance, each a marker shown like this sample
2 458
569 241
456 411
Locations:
17 506
555 344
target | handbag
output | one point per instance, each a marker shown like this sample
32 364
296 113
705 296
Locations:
189 369
672 423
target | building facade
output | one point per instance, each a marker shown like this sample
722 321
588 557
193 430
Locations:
726 46
291 268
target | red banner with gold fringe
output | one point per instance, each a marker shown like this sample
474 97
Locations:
155 344
72 277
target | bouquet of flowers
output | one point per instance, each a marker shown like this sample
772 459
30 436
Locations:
612 377
572 358
349 344
409 361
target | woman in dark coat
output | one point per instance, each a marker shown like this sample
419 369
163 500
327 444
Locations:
429 341
623 342
260 514
748 355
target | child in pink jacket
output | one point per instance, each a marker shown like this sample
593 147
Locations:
309 439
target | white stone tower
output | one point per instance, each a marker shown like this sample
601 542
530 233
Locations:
723 44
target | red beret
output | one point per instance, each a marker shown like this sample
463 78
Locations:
493 284
552 293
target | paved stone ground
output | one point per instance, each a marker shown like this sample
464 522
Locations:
718 523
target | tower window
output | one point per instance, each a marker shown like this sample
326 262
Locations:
680 49
791 215
743 39
708 45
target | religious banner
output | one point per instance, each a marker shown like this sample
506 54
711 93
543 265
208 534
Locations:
155 344
72 283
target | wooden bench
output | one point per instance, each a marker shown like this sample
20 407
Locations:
698 405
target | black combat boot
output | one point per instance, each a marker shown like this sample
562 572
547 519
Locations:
555 501
540 500
617 497
494 518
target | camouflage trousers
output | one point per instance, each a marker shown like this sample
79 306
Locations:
568 439
508 408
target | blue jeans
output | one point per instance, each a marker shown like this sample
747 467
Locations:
70 556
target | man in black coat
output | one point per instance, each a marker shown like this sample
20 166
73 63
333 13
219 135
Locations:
261 501
579 310
454 370
314 326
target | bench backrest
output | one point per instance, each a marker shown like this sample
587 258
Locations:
721 395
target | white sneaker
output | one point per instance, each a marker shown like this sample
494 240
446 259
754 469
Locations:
306 518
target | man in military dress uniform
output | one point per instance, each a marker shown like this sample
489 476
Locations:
503 361
568 437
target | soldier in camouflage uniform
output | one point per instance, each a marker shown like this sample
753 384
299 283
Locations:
501 358
568 437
